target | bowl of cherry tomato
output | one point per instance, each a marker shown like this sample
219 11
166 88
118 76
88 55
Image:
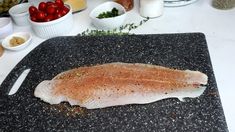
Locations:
51 19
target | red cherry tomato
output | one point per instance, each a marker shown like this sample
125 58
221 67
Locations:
32 10
57 11
41 15
65 10
49 3
49 18
30 14
57 5
33 18
58 15
42 6
60 3
50 9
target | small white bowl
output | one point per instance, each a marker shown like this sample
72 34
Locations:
6 27
108 23
53 28
20 14
6 42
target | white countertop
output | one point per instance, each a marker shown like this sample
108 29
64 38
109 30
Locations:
217 25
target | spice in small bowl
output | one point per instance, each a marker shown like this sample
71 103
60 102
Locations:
17 41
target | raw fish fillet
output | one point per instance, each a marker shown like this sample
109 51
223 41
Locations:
118 83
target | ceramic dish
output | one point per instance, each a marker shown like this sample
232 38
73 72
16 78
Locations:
58 27
108 23
19 13
26 36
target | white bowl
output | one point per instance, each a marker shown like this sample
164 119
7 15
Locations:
108 23
25 35
6 27
53 28
20 14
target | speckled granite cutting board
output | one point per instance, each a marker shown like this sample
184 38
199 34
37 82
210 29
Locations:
24 112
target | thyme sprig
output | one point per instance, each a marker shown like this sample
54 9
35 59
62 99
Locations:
123 30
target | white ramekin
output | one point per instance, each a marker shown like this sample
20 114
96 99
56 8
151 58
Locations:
19 13
53 28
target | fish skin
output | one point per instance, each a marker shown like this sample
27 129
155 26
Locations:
118 83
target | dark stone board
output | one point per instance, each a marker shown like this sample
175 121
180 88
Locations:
24 112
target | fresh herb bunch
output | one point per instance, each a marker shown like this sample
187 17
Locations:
109 14
123 30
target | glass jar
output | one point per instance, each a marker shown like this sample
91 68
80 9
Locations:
127 4
151 8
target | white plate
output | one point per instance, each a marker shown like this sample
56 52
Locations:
6 42
175 3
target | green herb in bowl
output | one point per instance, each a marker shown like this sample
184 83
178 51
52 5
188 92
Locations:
109 14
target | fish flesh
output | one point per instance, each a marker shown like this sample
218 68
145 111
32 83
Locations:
118 83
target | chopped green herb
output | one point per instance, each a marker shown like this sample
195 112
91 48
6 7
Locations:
108 14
